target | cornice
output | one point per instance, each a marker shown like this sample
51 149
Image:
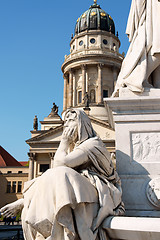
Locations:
52 122
92 59
42 135
100 122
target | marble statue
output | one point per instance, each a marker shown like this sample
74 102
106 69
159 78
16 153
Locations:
71 200
141 66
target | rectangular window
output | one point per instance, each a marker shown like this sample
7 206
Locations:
8 186
79 96
19 190
105 93
9 171
20 172
44 167
13 186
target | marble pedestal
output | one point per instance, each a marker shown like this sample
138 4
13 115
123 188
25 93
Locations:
132 228
137 126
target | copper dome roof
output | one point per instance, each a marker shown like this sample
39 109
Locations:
95 19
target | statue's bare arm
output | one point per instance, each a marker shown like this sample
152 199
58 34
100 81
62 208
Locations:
63 158
12 209
72 160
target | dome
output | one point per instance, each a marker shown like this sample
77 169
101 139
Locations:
95 19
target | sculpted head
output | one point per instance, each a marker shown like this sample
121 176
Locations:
79 124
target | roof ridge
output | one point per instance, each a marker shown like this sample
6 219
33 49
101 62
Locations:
6 159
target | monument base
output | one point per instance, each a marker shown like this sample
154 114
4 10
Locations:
137 127
136 118
132 228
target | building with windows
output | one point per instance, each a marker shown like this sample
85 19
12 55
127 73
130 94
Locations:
90 72
93 63
13 174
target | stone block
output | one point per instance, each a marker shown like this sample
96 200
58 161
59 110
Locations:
137 127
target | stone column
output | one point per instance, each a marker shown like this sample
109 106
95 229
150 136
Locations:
70 97
32 158
87 80
76 43
74 92
100 83
65 92
51 155
115 75
83 81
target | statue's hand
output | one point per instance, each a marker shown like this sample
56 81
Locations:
12 209
69 134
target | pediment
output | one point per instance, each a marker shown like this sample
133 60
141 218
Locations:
51 135
54 135
102 128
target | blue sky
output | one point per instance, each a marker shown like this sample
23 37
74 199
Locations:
34 37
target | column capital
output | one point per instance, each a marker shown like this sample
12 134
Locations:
71 71
84 66
51 155
100 65
65 75
32 156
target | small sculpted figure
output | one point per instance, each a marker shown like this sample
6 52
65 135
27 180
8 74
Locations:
141 66
86 100
35 123
71 200
55 108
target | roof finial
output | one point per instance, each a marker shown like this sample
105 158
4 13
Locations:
95 1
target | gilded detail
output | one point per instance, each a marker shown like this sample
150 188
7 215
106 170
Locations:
103 14
93 13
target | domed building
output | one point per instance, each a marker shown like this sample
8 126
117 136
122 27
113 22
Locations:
90 72
91 68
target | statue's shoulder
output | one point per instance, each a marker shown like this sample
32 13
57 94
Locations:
91 142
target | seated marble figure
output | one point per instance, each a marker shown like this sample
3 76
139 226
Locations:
71 200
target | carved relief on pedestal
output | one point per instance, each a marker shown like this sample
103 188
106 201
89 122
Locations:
153 192
145 146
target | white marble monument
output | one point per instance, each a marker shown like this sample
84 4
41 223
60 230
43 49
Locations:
136 116
140 67
71 200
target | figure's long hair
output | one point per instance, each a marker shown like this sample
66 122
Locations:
85 129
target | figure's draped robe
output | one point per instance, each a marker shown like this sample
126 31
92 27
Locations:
62 196
144 36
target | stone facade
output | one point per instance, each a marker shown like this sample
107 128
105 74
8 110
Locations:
44 143
92 66
12 180
90 72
